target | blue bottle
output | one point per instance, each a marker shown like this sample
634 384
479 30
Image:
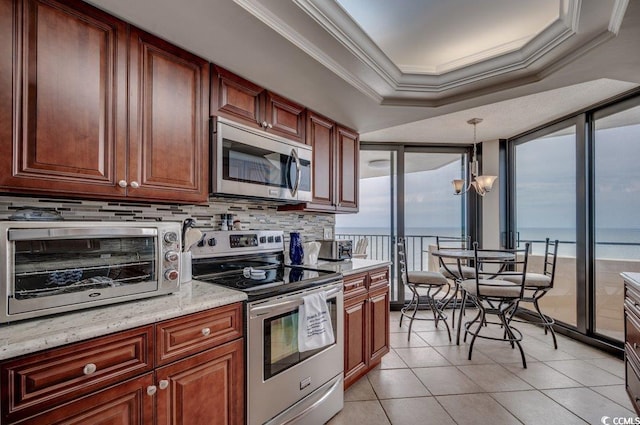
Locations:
296 254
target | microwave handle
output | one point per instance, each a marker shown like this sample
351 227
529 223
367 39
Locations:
296 159
77 233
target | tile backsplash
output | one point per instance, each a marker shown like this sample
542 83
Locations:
253 214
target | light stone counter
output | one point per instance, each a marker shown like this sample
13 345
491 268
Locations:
347 267
33 335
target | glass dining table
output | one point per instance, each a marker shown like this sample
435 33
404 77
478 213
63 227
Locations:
465 256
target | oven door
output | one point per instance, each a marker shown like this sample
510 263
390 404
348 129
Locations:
255 164
279 376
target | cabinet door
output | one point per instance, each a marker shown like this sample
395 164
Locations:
207 388
235 98
321 136
62 98
348 177
169 144
284 117
379 325
124 404
355 339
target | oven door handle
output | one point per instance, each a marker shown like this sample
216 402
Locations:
266 309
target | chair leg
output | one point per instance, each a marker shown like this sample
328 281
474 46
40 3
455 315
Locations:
439 314
475 334
512 337
546 323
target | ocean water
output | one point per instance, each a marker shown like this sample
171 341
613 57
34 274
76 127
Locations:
611 243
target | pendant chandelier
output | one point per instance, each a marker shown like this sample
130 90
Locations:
482 184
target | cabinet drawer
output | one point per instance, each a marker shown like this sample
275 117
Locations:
632 328
181 337
38 382
633 383
632 295
355 285
379 278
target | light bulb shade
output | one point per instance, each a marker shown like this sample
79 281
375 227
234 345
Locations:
484 184
458 185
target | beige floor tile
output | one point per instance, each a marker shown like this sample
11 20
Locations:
494 378
541 376
476 409
501 352
588 404
360 391
414 411
437 338
611 364
446 380
391 360
399 340
544 352
458 355
585 373
535 408
578 349
422 357
396 383
615 393
360 412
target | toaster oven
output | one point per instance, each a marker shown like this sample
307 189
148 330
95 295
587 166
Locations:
60 266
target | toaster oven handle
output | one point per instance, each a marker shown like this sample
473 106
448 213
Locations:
296 159
78 233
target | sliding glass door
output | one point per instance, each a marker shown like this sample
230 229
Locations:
616 212
407 192
545 207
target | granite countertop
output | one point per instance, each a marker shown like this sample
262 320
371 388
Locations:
632 277
348 267
28 336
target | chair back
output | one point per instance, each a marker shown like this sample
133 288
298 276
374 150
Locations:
550 257
453 243
492 265
361 248
402 260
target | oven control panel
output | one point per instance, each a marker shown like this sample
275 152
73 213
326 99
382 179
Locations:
216 243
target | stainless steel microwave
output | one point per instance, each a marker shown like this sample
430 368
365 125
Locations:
251 162
59 266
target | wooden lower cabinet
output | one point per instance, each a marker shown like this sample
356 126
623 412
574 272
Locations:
207 388
366 322
632 337
112 379
124 404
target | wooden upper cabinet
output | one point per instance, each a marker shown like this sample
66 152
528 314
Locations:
81 117
63 114
321 137
238 99
168 147
348 176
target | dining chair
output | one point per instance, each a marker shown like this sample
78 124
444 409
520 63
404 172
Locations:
492 294
454 270
424 286
537 285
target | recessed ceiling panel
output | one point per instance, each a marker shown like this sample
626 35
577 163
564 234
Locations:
434 36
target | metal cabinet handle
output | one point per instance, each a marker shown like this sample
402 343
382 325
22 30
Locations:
152 389
135 184
206 331
123 183
163 384
270 125
635 345
264 124
89 368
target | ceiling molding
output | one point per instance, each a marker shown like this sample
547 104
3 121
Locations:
285 30
554 46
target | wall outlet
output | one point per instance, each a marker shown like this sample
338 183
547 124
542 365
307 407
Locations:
328 233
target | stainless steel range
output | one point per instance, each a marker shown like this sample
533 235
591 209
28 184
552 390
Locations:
284 386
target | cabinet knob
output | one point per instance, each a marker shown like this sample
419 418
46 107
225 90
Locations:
163 384
123 183
206 331
270 125
151 389
264 124
89 368
135 184
635 345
